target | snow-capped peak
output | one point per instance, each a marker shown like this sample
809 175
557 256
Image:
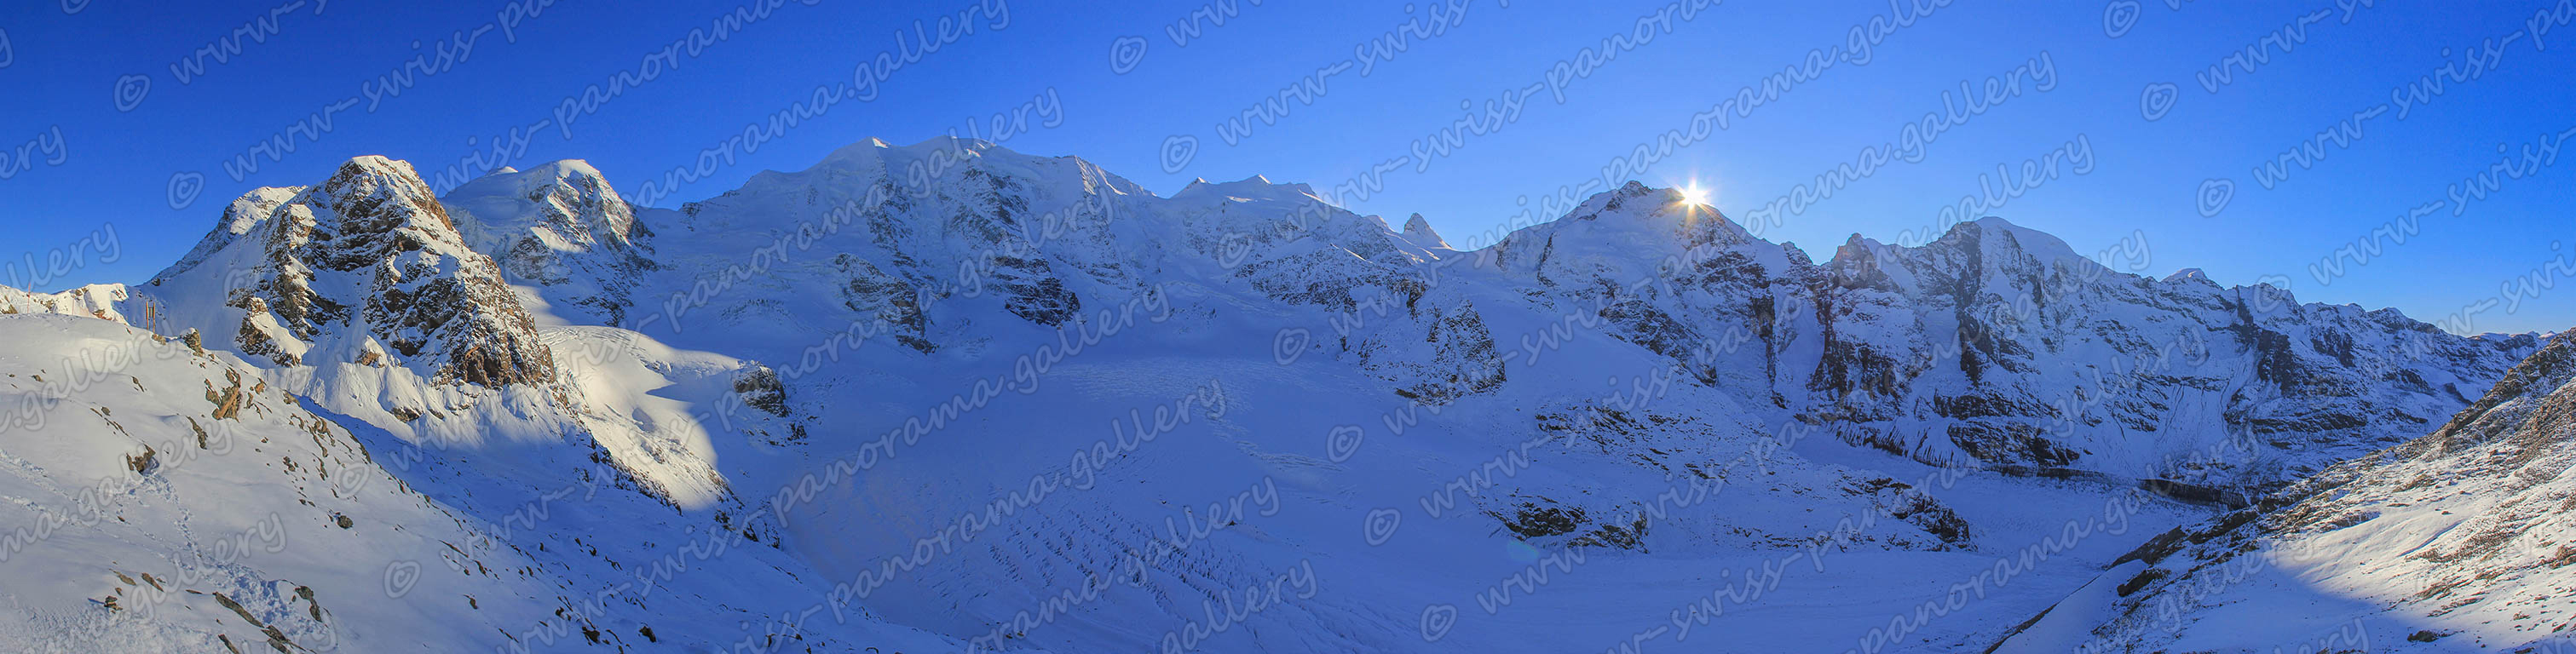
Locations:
1419 231
1254 188
567 169
1645 202
2187 273
872 152
2001 236
376 164
558 224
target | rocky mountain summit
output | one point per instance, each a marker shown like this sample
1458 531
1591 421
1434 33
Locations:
366 267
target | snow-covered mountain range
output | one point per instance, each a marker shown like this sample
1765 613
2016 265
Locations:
948 396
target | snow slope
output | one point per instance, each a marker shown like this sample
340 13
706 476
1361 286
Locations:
2454 541
165 498
949 396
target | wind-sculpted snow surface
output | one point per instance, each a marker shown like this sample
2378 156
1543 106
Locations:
951 397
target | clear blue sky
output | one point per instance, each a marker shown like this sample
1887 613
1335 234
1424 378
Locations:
116 167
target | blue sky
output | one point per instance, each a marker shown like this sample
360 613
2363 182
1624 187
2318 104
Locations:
2148 182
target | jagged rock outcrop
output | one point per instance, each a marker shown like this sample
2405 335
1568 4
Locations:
366 261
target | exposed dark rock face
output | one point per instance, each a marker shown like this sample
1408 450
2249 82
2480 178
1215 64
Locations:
1033 292
367 256
894 303
760 389
1533 521
1461 358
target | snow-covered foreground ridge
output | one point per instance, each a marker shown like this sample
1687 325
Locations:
2458 540
952 397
